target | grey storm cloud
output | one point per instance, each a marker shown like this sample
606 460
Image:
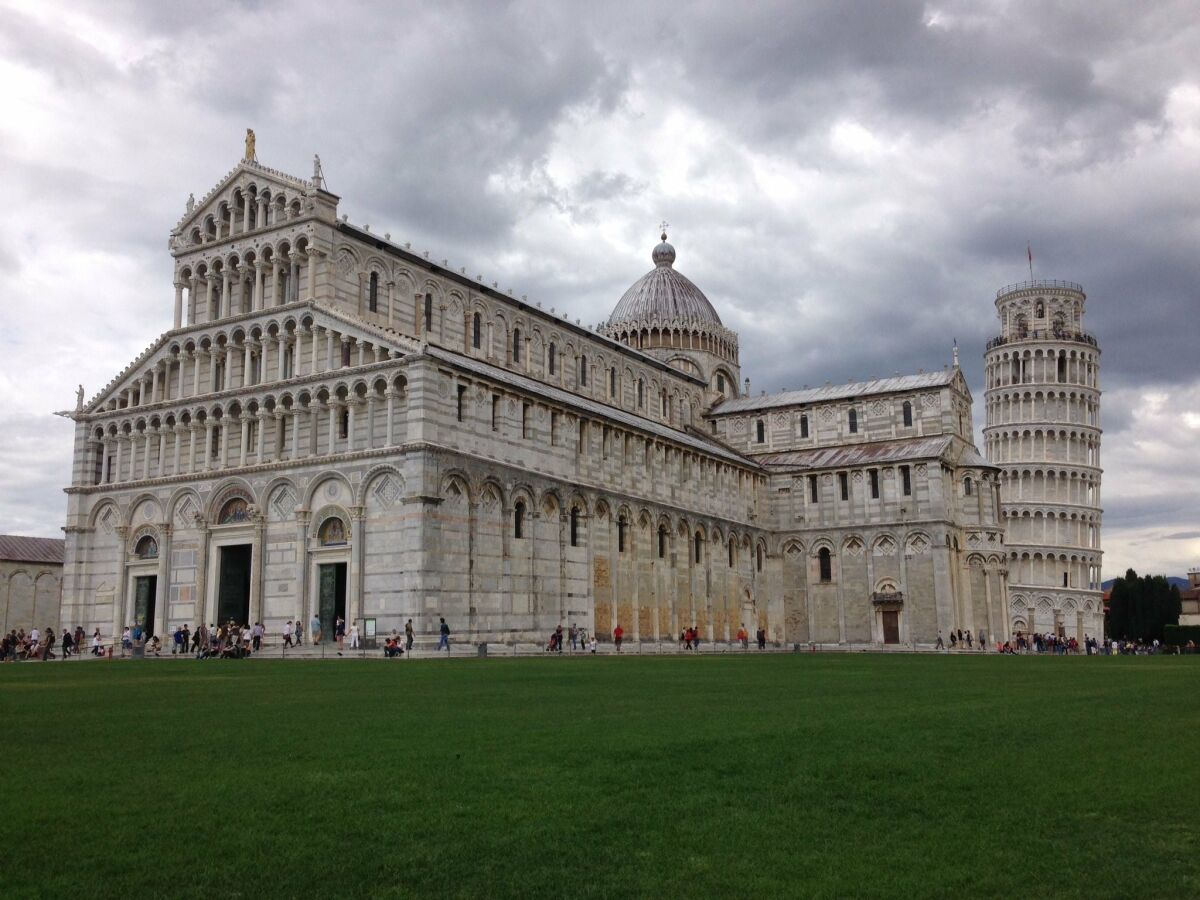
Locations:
849 182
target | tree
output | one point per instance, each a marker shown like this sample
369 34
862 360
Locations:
1140 608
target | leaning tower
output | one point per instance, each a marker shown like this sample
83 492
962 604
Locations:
1043 431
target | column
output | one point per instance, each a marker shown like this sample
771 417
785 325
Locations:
193 430
226 295
390 393
328 350
121 439
312 368
154 383
391 286
178 304
146 453
295 434
192 299
350 407
281 344
209 281
362 352
313 434
163 587
355 575
227 382
332 425
175 451
370 443
240 282
245 439
246 354
256 568
195 372
257 299
293 285
261 220
261 433
276 298
245 213
312 272
343 348
302 566
223 457
206 451
202 609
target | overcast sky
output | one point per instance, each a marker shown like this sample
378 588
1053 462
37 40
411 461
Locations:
848 182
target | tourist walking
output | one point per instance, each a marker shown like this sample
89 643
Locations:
68 643
573 635
762 639
256 635
299 632
618 636
339 632
743 638
287 635
314 628
354 636
96 649
444 639
408 635
177 642
592 645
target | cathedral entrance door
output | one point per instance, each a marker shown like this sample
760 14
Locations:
233 587
331 602
891 626
144 589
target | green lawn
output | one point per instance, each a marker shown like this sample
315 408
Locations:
831 775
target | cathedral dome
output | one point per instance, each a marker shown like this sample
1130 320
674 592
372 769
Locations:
663 295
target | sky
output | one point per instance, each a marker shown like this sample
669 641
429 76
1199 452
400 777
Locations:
849 183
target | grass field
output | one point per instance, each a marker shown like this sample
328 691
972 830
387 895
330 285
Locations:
831 775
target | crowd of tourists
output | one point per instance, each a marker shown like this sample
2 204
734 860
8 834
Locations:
239 641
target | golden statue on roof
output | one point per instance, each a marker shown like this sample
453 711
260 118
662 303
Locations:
250 154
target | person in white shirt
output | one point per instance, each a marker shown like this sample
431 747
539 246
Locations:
34 635
287 634
592 644
353 637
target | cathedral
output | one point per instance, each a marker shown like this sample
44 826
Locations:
338 426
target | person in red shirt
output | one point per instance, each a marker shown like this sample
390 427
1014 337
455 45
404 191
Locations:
618 634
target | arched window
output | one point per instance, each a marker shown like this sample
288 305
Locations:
720 383
621 534
732 552
967 486
662 542
332 531
147 548
519 519
553 358
760 431
641 393
476 331
853 421
574 526
516 350
696 544
826 563
1039 311
373 293
907 414
759 560
429 312
804 425
612 382
583 371
235 510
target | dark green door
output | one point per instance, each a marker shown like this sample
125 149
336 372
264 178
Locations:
332 601
233 591
145 588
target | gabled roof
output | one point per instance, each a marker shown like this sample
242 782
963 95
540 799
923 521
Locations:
253 168
586 405
859 454
18 548
895 385
370 329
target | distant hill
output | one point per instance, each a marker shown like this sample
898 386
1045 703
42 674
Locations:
1180 583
